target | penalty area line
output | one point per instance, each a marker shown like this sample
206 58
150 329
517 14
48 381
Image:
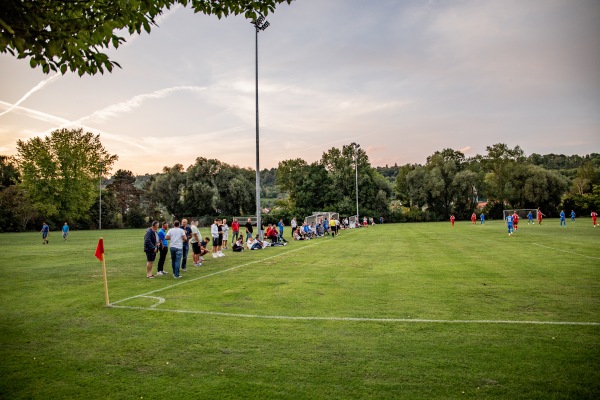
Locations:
147 294
566 251
356 319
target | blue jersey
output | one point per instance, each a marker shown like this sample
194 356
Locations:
65 228
509 220
562 215
530 216
162 237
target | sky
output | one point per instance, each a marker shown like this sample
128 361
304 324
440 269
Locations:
401 78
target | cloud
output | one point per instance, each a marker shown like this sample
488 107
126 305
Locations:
135 102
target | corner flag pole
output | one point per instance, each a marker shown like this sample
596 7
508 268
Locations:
100 256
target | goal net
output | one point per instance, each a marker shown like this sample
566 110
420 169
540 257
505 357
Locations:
523 213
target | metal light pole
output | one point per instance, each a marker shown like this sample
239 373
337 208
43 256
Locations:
356 146
260 25
100 201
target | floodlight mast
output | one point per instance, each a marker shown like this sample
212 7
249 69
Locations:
260 25
100 199
356 146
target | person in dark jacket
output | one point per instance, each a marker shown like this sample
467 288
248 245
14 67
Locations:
151 245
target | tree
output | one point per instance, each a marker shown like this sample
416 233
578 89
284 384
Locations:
126 193
9 172
168 189
585 178
60 172
442 168
544 189
416 183
465 183
70 35
110 211
401 187
16 211
289 175
500 162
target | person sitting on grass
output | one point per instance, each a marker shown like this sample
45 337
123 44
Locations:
299 235
271 233
257 244
238 245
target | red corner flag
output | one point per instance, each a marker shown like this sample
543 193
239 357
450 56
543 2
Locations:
100 250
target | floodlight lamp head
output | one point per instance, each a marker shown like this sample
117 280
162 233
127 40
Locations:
265 26
259 21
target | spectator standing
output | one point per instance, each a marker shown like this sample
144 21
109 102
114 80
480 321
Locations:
186 244
235 229
294 225
225 229
151 244
249 229
195 241
177 236
163 248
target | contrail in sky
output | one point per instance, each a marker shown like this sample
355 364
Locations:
48 80
37 87
65 122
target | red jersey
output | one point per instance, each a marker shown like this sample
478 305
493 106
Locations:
235 226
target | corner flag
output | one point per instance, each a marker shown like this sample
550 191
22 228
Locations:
100 256
100 250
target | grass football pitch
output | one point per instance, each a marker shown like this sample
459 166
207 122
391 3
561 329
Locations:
415 311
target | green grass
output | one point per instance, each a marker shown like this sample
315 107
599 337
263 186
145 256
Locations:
393 311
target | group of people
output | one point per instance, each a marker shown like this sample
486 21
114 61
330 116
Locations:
322 228
178 239
46 231
512 220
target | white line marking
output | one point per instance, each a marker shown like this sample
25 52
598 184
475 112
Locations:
160 300
352 319
565 251
213 274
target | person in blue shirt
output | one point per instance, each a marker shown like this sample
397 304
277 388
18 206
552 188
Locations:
45 230
65 231
563 221
482 219
509 224
163 248
280 225
530 219
573 215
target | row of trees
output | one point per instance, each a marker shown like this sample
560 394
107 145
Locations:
57 178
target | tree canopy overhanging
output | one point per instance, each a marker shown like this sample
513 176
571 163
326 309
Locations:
58 35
